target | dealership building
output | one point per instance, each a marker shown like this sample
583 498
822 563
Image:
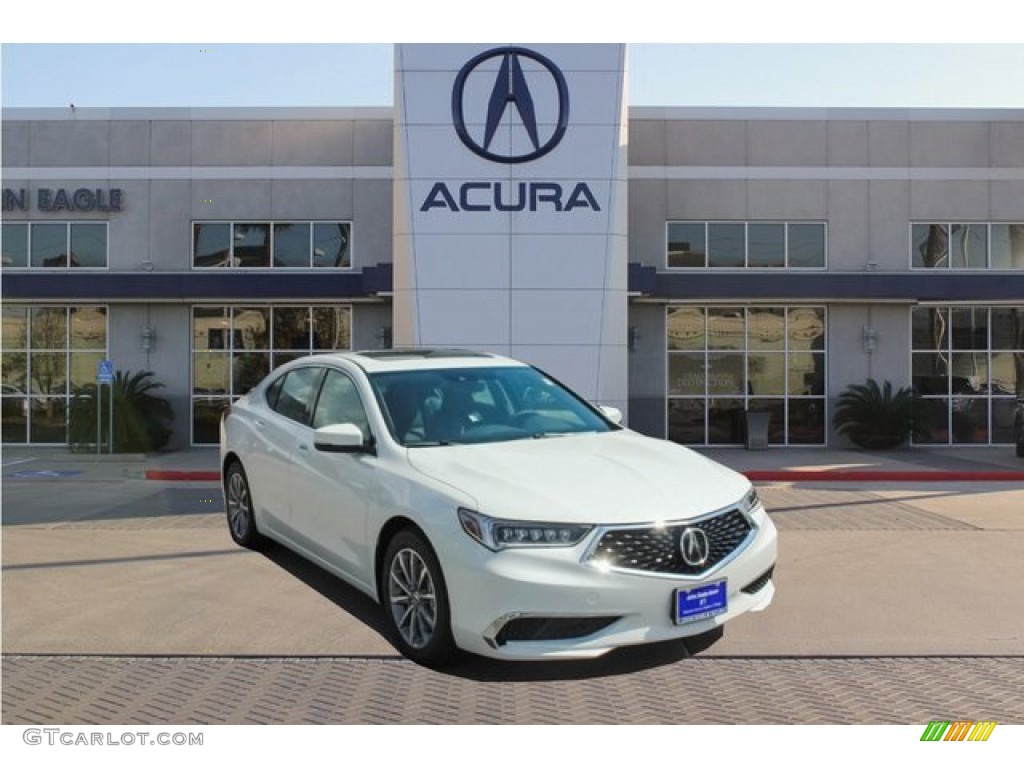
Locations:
690 266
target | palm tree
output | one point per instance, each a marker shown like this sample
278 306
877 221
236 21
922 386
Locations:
876 417
142 420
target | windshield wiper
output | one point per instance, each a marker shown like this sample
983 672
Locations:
542 435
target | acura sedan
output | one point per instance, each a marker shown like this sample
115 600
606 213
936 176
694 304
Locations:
488 508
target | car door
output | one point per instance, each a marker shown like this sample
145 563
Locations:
332 492
280 427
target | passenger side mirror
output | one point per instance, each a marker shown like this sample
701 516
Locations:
341 438
614 415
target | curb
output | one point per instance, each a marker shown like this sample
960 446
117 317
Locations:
195 475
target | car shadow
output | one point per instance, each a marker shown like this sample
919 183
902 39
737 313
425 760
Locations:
349 599
622 661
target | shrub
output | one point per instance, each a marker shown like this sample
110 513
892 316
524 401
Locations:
142 420
877 417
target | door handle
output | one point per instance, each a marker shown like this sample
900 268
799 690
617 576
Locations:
303 447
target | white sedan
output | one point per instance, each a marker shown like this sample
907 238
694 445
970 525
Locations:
489 508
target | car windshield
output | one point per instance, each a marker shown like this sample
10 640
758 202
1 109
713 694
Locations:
448 406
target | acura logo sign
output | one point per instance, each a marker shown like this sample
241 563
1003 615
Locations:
694 547
512 95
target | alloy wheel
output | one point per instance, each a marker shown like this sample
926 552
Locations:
412 597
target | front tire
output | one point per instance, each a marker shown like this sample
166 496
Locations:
416 601
240 508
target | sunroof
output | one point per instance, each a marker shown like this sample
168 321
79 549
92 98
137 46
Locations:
414 353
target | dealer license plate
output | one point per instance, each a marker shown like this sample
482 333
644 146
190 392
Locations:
700 603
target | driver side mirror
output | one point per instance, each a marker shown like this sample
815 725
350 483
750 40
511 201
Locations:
614 415
341 438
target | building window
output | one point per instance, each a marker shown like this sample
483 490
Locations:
48 353
55 245
724 361
234 347
269 244
746 245
977 245
968 365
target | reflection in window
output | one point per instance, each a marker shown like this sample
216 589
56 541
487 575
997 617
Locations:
738 245
34 244
806 245
47 353
291 244
331 327
339 403
726 245
49 245
685 327
251 243
687 244
236 347
969 245
967 363
15 245
1007 246
211 245
266 244
767 245
330 245
725 361
88 245
951 245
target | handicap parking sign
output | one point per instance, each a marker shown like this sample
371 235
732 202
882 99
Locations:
105 372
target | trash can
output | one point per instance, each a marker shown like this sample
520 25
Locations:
757 430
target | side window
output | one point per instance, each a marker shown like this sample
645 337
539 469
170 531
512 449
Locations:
339 403
273 391
296 394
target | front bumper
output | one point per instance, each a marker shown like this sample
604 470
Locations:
492 592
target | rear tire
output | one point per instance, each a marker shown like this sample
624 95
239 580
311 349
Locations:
415 601
240 508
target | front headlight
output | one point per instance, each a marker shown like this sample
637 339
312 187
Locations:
498 534
750 502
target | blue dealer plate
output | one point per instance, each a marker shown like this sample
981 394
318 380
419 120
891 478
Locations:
700 603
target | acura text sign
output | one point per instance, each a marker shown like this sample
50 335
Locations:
510 205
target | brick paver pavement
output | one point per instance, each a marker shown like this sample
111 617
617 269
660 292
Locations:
119 690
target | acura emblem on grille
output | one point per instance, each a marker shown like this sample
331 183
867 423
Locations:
694 547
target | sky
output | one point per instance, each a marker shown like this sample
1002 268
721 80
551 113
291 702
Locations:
739 53
312 74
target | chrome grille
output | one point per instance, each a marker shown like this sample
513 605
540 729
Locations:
655 549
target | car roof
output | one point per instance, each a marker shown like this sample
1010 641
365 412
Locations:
417 358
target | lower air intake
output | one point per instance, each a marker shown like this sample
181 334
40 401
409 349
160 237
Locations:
549 628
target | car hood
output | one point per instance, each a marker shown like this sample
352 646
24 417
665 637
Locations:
601 478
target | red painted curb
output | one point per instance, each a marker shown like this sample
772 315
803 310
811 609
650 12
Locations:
176 474
882 476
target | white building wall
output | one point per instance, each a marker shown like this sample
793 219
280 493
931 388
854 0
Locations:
543 285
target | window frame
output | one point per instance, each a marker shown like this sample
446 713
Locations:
68 224
272 225
746 266
29 350
949 266
706 350
959 402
